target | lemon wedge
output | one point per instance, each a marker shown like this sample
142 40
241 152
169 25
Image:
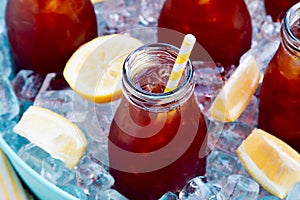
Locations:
53 133
236 94
94 70
270 161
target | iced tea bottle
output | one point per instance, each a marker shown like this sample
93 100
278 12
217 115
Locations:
157 141
278 8
279 110
222 27
44 34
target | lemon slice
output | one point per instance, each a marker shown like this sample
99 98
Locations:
270 161
53 133
94 71
236 94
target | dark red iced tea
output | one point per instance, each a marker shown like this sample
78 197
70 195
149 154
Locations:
151 153
44 34
223 28
280 92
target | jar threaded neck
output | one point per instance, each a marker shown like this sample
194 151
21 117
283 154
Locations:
291 29
150 65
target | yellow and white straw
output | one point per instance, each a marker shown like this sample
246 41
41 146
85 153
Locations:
180 63
10 185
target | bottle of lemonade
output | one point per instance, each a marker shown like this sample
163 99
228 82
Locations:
277 8
44 34
222 27
157 141
280 91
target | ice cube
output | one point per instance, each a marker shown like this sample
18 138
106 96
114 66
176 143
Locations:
117 16
105 114
6 127
101 22
227 137
75 191
250 114
239 187
92 176
2 8
56 95
257 12
9 106
99 119
240 169
110 194
98 151
54 170
268 198
40 161
11 138
149 11
144 34
197 188
6 64
26 85
264 193
270 30
169 196
208 80
219 166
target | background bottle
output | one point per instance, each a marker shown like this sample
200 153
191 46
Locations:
280 91
222 27
44 34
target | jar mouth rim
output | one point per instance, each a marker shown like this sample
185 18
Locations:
289 20
142 92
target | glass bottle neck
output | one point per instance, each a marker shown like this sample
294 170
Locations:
290 31
145 74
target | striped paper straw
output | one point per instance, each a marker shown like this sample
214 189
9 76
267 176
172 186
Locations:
180 63
10 185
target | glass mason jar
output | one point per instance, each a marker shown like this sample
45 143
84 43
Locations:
157 141
280 91
222 27
44 34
